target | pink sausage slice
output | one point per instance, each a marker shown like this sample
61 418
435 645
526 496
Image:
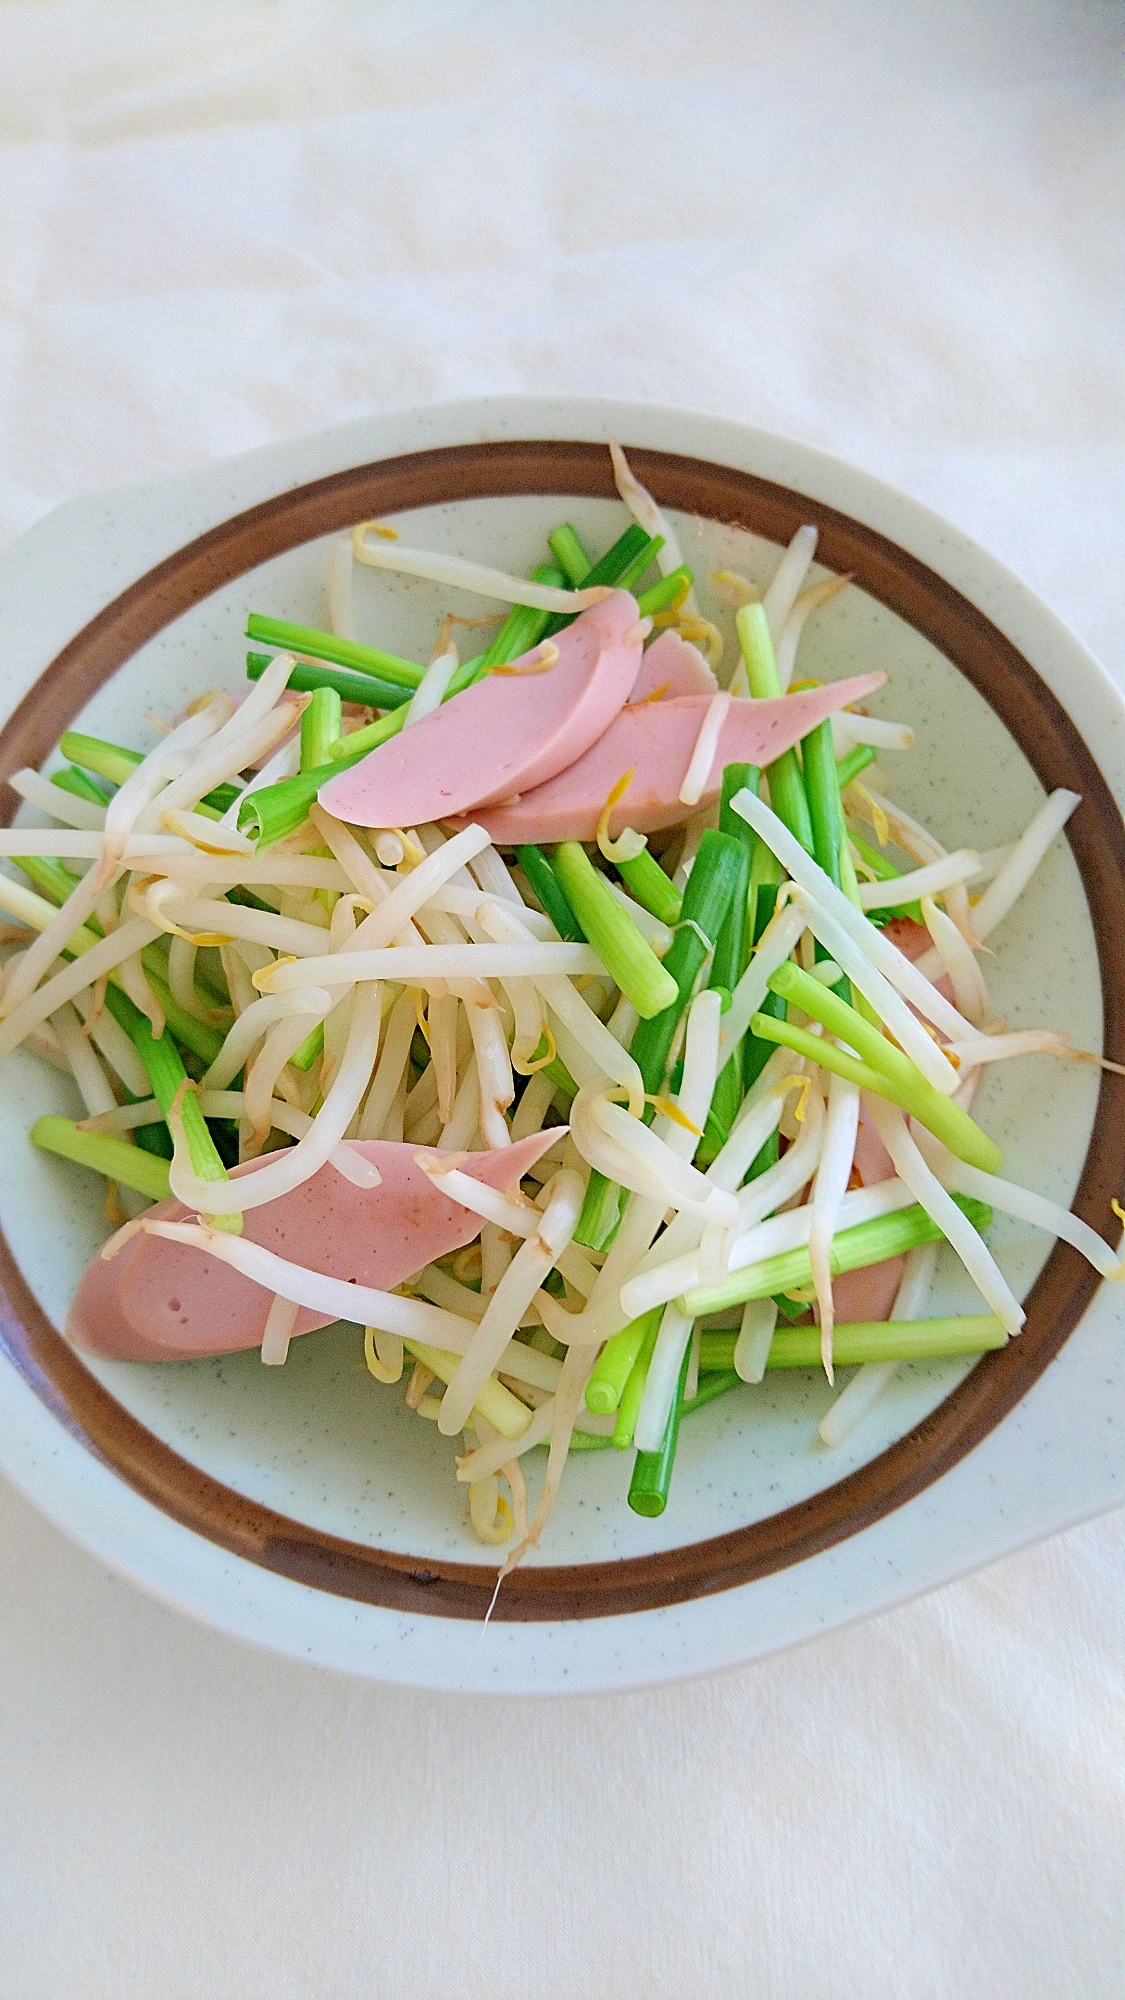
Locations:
655 740
161 1301
672 667
504 735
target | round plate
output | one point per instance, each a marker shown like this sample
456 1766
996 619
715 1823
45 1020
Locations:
345 1530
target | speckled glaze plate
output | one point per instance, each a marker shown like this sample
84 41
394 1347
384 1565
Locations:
303 1508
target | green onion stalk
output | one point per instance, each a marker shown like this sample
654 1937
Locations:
853 1249
617 1360
711 884
878 1065
308 675
865 1340
652 1470
545 884
367 660
111 761
168 1078
727 965
566 547
787 786
648 884
627 956
76 782
106 1154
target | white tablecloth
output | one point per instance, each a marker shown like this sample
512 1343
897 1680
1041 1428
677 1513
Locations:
893 231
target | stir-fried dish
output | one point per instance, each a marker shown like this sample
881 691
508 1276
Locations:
595 1037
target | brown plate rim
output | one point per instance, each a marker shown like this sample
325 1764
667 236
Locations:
1058 755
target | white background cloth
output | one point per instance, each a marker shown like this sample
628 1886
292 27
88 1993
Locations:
894 231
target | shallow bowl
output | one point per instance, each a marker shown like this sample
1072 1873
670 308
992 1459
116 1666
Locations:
304 1507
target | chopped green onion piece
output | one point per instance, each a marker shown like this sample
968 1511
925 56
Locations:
826 812
306 677
709 889
726 970
895 1076
601 1212
545 883
349 749
321 727
567 549
857 760
522 629
280 809
106 760
203 1041
106 1154
614 1364
76 782
710 886
632 1395
628 957
866 1340
664 593
109 760
787 786
327 646
651 887
167 1075
630 577
312 1046
652 1470
55 880
609 569
852 1250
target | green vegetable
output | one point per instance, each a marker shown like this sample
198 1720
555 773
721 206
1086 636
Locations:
881 1067
106 1154
80 786
545 883
627 956
522 629
787 786
632 1395
866 1340
712 882
651 887
305 677
327 646
652 1470
109 760
726 970
567 549
167 1076
280 809
665 592
852 1250
849 767
630 577
321 727
616 1360
349 749
612 568
55 880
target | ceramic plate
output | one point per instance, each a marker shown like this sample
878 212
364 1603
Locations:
303 1507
